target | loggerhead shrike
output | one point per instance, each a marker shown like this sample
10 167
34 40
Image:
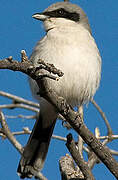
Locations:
69 45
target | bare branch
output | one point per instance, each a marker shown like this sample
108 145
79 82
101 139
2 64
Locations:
80 140
59 138
66 111
68 169
28 68
21 116
78 158
19 99
107 137
12 106
50 68
23 56
114 152
49 76
27 131
9 135
75 121
103 116
14 142
93 159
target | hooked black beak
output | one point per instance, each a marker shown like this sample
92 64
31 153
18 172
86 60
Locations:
40 16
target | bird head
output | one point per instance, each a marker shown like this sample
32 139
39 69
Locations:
62 15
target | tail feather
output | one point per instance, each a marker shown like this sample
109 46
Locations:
36 149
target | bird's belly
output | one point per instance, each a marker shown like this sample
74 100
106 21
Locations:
78 83
80 65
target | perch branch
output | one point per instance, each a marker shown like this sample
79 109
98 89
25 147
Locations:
65 110
75 121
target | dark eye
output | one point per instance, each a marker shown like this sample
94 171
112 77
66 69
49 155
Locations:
60 11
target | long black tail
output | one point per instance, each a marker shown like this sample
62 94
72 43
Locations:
36 149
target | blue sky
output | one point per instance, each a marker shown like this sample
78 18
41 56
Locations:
19 31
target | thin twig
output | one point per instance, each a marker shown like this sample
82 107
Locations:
27 131
59 138
78 159
114 152
80 140
103 116
19 99
21 116
49 76
107 137
9 135
23 56
12 106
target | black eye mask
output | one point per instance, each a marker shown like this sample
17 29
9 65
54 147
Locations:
62 13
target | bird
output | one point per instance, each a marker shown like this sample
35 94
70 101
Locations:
68 44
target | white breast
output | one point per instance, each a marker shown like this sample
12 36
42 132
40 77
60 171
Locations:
76 54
